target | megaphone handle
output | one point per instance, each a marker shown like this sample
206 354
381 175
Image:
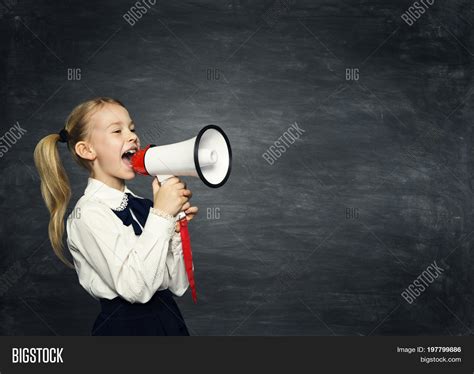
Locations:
162 179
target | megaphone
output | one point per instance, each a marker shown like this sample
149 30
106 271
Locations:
207 156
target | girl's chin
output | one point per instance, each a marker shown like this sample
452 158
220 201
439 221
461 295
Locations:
127 178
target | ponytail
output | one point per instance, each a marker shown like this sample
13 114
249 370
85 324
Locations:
55 186
55 189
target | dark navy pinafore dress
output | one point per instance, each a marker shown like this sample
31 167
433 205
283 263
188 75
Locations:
159 316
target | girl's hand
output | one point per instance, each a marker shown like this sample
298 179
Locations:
190 211
171 196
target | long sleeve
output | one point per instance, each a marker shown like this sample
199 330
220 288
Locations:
178 279
133 267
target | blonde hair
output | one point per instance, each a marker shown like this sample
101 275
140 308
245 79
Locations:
55 186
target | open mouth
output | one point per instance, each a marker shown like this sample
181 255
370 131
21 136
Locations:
127 156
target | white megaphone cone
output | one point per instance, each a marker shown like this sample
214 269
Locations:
207 156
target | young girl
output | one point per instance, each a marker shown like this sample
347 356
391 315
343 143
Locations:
126 250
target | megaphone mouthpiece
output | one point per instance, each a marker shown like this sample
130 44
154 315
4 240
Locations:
138 160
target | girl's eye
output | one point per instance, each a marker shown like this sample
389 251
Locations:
119 131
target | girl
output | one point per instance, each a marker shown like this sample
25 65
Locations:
126 250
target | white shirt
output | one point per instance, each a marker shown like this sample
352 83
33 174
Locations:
111 261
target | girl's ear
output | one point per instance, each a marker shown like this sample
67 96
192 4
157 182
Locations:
84 150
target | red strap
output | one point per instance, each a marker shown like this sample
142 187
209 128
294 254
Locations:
187 255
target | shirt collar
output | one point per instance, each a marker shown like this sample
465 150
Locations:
99 191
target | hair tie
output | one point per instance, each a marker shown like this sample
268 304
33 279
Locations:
63 136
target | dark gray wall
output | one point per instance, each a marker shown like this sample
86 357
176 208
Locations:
284 258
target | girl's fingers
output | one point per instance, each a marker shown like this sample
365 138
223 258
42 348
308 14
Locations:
192 210
187 193
186 206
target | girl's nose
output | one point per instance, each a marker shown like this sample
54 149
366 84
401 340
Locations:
132 136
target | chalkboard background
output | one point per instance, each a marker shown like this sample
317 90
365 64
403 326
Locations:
320 241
